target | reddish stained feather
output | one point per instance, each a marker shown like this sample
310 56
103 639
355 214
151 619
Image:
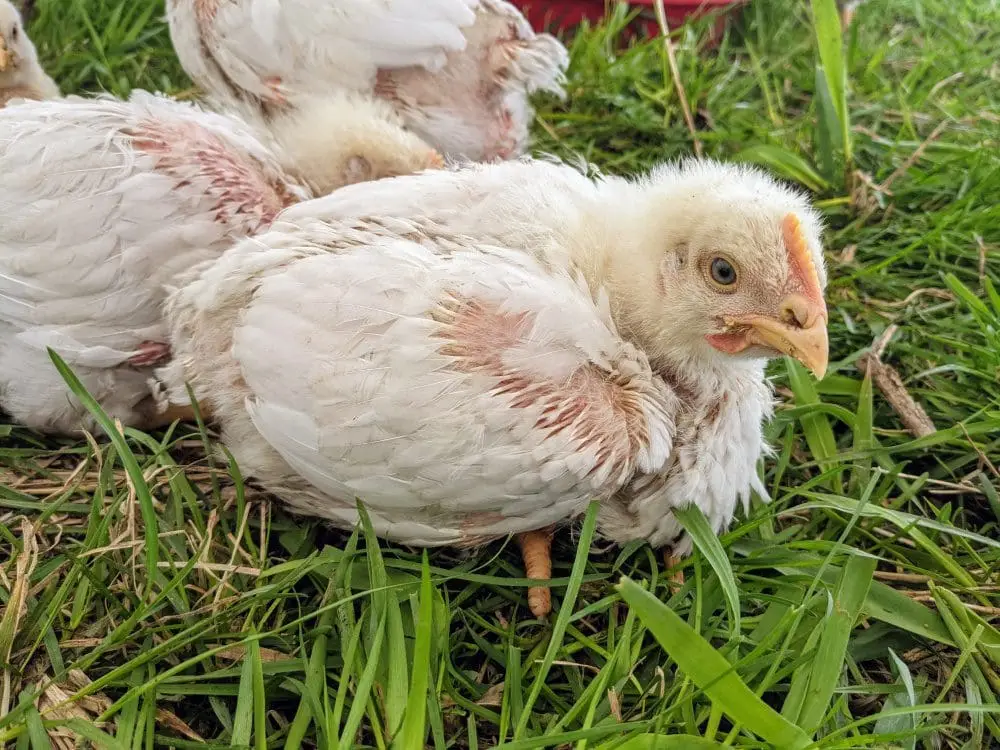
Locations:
601 411
385 85
184 150
471 526
474 88
205 10
504 51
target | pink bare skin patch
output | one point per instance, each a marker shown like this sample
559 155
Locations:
151 353
728 343
385 85
599 409
243 195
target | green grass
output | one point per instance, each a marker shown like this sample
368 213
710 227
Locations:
152 599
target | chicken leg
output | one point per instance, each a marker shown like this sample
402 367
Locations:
677 577
536 551
154 419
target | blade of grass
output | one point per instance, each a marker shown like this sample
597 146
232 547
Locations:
830 42
414 730
785 163
708 544
259 704
129 462
709 670
243 718
89 732
815 426
562 621
848 599
900 723
663 742
864 435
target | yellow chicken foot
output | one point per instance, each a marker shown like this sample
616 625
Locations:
154 419
536 551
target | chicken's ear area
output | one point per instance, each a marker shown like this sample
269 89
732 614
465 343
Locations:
358 169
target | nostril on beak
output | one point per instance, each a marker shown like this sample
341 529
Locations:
796 310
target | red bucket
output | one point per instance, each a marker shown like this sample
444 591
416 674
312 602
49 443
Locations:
559 15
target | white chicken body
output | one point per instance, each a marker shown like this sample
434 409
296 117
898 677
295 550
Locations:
462 360
375 371
104 202
458 71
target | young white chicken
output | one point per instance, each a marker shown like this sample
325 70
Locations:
21 75
105 202
458 71
479 353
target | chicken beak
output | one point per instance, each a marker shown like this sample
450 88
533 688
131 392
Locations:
805 338
4 55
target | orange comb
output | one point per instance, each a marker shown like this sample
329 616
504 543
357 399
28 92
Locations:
800 257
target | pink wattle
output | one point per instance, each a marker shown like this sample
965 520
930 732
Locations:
729 343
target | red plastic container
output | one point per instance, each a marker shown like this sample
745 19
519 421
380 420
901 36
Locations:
558 15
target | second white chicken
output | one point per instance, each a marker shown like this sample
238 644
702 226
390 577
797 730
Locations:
106 201
459 72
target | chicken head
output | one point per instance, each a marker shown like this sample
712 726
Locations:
11 37
20 71
731 266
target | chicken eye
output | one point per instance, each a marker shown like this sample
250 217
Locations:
13 33
723 272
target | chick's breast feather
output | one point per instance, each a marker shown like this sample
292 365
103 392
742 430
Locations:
104 203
